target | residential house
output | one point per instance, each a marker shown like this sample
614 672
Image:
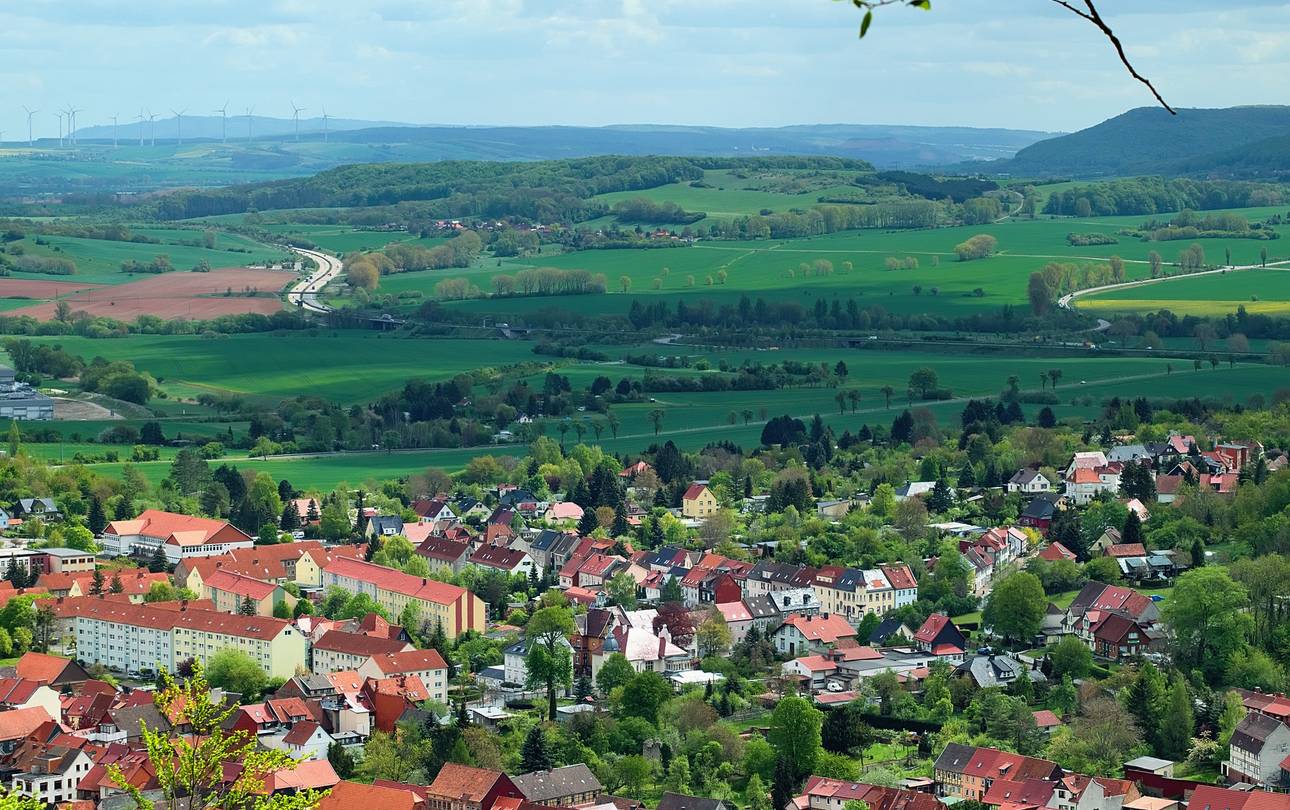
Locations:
821 793
50 773
903 583
841 591
461 787
383 526
968 772
20 693
1079 792
1038 515
1055 551
444 553
433 510
1083 484
353 795
560 787
426 665
1259 749
698 502
507 560
644 649
45 509
996 669
940 637
802 634
51 670
1029 481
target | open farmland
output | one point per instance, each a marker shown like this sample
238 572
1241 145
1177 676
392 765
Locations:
1265 292
179 294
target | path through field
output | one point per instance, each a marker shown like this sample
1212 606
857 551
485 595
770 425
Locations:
1067 301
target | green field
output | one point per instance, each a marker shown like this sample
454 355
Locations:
1265 292
345 367
758 268
98 261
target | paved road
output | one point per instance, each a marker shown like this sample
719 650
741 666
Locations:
305 294
1067 301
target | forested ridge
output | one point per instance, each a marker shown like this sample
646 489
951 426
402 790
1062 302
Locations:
552 190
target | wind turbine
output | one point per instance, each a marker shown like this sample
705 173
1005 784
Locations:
296 116
223 123
60 128
30 113
179 124
114 117
250 119
152 128
324 109
71 123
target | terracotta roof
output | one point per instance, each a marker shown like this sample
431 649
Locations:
441 548
359 644
239 584
352 796
231 624
16 724
1126 550
389 579
409 661
1055 551
1046 719
176 529
900 576
462 782
39 667
499 557
693 491
312 773
932 627
819 628
300 733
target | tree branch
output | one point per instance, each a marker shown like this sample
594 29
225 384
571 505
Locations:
1092 16
1088 13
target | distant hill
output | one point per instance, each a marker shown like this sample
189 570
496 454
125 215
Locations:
210 127
1149 140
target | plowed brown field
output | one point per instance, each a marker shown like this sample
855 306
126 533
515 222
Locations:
181 294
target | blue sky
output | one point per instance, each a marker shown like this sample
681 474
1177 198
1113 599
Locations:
1013 63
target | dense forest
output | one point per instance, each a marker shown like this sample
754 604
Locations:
1155 195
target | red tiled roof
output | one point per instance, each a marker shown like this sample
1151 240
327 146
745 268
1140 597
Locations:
443 549
1126 550
390 579
818 628
1055 551
39 667
462 782
900 576
240 585
353 796
1046 719
176 529
300 733
259 627
693 491
16 724
932 627
409 661
359 644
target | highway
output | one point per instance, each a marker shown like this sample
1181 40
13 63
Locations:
305 293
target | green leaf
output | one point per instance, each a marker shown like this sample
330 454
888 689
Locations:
925 5
864 24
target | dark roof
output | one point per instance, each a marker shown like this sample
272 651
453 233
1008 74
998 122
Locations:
955 757
885 628
761 607
129 718
1253 732
557 783
679 801
1039 509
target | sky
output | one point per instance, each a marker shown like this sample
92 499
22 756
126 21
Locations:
1023 64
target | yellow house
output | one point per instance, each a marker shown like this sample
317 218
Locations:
274 644
698 502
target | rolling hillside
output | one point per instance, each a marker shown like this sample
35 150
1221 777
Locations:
1149 140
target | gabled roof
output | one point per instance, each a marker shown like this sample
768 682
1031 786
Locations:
43 668
900 576
557 783
932 627
240 585
826 630
17 724
694 491
176 529
358 644
301 733
407 661
394 580
354 796
462 782
1126 550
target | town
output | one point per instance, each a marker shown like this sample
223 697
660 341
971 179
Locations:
484 641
